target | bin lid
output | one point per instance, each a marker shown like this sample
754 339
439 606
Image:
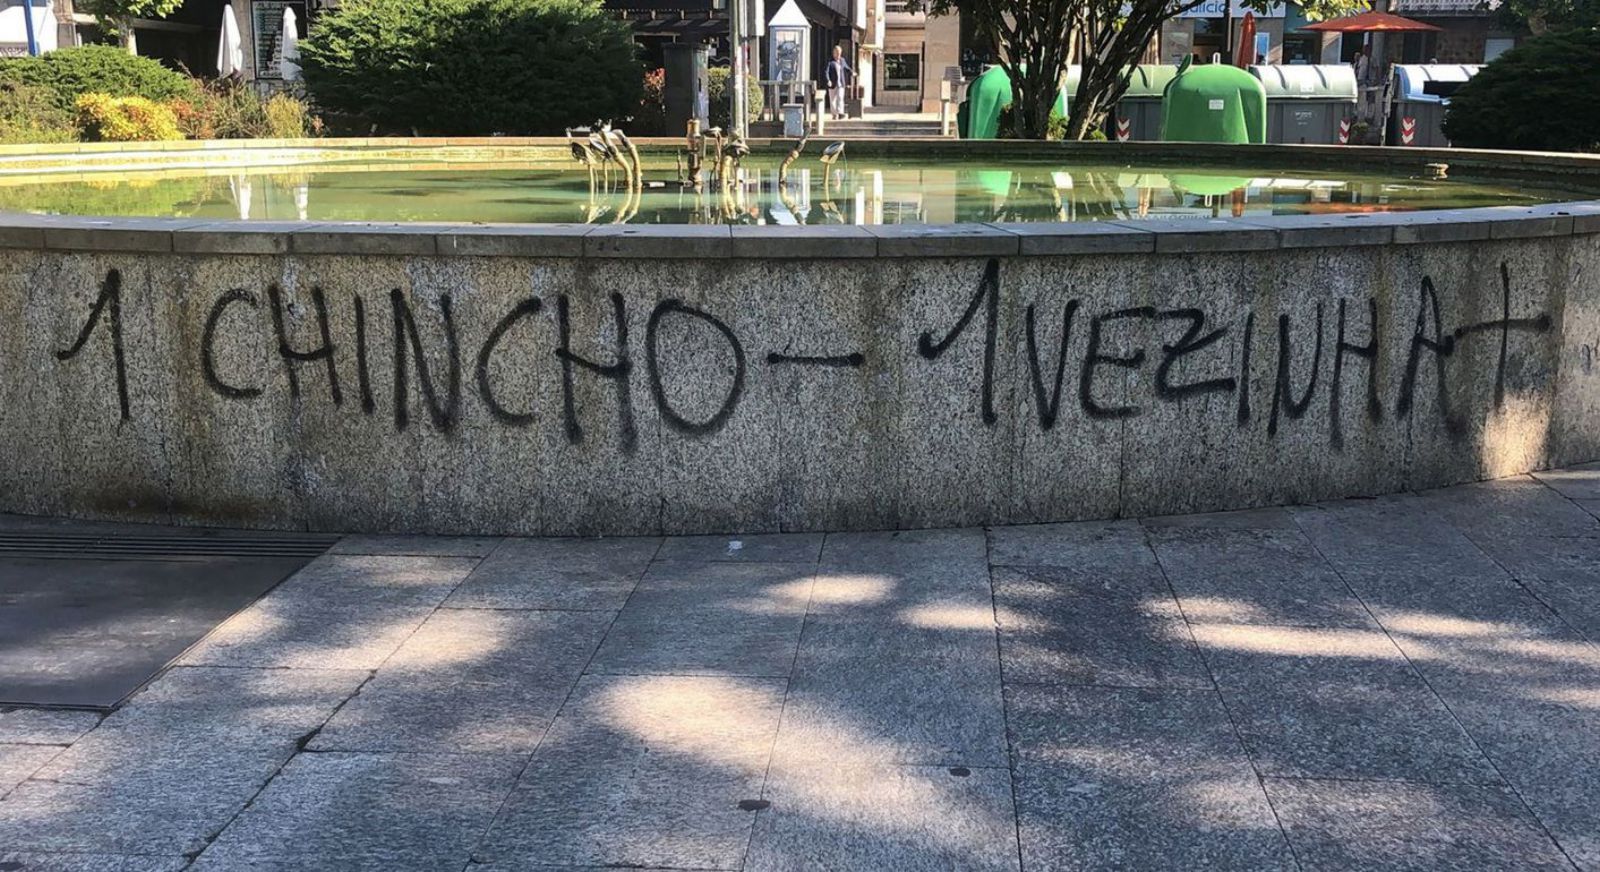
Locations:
1411 79
1307 81
1147 81
1150 80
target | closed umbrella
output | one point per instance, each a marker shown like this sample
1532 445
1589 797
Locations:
230 49
240 185
1246 55
289 47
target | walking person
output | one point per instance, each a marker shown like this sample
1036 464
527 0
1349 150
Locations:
836 77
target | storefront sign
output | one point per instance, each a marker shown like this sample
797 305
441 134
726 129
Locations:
1219 8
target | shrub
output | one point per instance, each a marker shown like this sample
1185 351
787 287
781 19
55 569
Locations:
473 66
1539 95
720 97
28 114
125 119
66 74
651 119
286 117
229 110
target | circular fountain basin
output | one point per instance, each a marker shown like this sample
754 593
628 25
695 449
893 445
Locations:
927 334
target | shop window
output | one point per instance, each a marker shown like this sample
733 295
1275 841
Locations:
902 72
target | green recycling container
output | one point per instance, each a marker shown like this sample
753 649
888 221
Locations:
1214 103
989 93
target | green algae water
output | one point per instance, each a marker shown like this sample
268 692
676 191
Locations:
866 190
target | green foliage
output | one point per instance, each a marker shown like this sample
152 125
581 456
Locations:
29 114
112 13
125 119
473 66
1057 128
67 74
1551 16
286 117
720 97
229 110
1539 96
651 119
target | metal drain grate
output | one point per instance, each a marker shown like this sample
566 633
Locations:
44 545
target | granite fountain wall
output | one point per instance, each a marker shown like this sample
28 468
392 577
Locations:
576 380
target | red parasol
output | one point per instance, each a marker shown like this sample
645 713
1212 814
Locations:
1246 55
1370 22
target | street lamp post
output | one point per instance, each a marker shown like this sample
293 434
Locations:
27 18
736 27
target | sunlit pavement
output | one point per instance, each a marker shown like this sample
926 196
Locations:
1406 682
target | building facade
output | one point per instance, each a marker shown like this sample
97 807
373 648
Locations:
1471 32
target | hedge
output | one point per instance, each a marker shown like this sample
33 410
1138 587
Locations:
69 73
1539 96
468 67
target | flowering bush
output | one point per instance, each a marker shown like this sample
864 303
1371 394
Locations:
125 119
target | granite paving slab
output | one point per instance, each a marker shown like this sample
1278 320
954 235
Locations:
469 680
233 707
905 549
18 762
825 815
1136 779
1248 575
1517 506
1058 627
36 726
13 861
1361 825
643 771
884 691
592 574
131 796
397 811
710 619
1089 546
340 612
417 546
1336 704
1581 482
758 548
1544 737
1562 572
1391 534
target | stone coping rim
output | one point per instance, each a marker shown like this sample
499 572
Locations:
1179 235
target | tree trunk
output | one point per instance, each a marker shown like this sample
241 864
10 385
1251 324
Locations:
130 41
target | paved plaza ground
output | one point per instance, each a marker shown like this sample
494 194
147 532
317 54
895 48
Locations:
1404 682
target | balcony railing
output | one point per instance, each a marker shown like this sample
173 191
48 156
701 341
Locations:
899 12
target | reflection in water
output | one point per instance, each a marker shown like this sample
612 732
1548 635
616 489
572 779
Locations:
851 191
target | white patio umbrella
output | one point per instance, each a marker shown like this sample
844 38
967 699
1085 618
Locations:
242 190
230 49
289 47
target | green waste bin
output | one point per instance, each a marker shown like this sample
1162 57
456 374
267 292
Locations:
988 94
1214 103
1305 103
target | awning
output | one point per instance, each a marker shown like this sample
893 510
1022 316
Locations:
1370 22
